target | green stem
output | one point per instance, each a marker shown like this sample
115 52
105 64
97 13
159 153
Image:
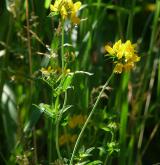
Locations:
62 46
65 99
57 133
130 21
54 107
88 119
57 127
50 141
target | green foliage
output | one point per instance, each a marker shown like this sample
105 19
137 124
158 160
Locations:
52 70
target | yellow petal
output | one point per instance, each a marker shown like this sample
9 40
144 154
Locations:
129 47
128 55
69 3
63 12
120 51
128 66
109 49
53 8
77 6
118 68
136 58
117 45
119 54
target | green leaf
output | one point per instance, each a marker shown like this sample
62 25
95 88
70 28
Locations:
83 163
106 129
90 150
67 82
46 109
95 162
64 85
66 108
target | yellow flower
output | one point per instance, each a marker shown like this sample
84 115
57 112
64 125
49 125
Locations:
76 6
110 50
118 68
58 7
67 9
127 66
76 120
117 45
124 55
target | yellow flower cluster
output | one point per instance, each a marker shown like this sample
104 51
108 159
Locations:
67 9
124 55
66 138
76 120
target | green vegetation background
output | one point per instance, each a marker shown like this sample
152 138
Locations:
132 101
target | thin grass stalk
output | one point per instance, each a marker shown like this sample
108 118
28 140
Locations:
155 129
88 119
147 66
123 134
151 46
124 112
28 38
147 103
120 25
130 150
30 72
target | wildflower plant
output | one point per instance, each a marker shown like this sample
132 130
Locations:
124 56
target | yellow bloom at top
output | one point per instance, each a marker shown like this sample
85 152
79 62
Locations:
124 55
67 9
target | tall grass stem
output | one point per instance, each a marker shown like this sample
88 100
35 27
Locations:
88 119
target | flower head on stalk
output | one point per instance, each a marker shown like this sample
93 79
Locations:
124 55
67 9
